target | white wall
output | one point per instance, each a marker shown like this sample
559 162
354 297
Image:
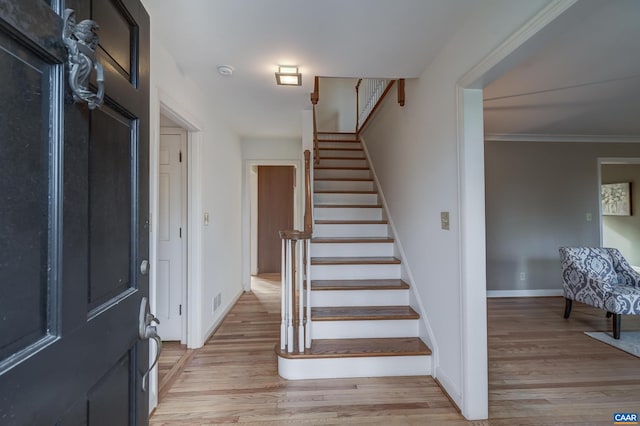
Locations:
336 109
215 182
257 151
414 152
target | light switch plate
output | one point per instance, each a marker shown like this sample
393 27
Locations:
444 220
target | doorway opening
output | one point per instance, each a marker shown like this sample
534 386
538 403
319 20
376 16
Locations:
621 228
273 206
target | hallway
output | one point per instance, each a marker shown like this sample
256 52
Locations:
234 379
543 370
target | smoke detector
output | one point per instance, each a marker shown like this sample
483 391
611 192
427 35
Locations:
225 70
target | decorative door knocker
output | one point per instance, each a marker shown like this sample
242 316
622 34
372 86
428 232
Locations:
81 41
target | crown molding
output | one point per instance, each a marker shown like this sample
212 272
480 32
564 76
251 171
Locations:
533 137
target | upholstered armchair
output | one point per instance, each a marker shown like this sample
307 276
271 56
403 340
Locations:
600 277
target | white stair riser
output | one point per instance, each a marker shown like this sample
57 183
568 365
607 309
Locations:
343 185
368 329
331 298
347 213
355 272
333 368
336 137
351 249
353 145
341 153
343 162
336 198
341 173
350 230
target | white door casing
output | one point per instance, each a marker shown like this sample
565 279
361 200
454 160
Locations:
172 233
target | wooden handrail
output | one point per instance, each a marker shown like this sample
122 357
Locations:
308 222
358 103
315 95
316 147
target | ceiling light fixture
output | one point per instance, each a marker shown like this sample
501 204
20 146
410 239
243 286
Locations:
225 70
288 75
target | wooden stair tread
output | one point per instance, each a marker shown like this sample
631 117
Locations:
343 158
340 148
351 222
345 179
345 348
362 313
346 191
358 240
348 206
382 260
341 168
338 141
333 285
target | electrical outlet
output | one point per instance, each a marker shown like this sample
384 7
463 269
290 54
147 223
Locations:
523 276
589 217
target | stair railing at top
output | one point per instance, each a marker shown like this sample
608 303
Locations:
369 94
296 277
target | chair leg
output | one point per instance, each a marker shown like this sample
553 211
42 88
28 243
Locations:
609 314
567 307
616 325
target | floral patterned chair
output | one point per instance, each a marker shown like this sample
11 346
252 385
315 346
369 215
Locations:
600 277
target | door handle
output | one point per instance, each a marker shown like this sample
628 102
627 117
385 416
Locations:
148 331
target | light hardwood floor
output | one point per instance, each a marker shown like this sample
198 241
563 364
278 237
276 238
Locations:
542 370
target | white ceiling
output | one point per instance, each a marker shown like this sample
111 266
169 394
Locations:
330 38
585 81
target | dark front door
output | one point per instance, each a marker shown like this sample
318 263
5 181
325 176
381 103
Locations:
275 214
73 219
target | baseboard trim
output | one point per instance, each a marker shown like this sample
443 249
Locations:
524 293
222 317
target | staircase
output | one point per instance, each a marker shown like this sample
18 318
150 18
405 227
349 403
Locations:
362 324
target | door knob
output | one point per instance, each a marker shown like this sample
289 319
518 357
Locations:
148 331
144 267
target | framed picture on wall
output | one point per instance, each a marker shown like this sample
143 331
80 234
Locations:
616 199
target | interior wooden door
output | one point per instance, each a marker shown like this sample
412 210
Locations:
275 213
74 219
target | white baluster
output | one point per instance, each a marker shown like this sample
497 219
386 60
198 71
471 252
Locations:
283 297
300 270
308 277
289 298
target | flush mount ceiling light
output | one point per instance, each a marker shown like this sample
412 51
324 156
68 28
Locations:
288 75
225 70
